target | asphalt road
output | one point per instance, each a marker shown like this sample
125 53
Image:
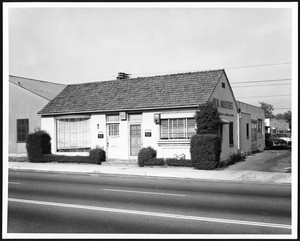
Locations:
40 202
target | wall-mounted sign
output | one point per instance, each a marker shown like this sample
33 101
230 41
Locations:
226 104
123 115
147 134
100 136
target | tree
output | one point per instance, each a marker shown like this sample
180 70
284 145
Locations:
288 117
268 109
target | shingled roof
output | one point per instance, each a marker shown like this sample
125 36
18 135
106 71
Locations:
164 91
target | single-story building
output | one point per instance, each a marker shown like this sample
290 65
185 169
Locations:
123 115
252 128
26 98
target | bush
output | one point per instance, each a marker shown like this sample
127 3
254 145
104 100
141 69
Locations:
97 155
178 162
37 144
208 119
236 157
205 151
145 154
155 162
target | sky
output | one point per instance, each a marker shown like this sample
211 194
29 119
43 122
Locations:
71 44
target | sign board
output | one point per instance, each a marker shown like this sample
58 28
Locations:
148 134
100 136
123 115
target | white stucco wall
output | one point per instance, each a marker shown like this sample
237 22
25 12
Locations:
256 113
225 94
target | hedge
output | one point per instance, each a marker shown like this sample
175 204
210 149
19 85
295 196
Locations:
37 144
205 151
155 162
208 119
178 162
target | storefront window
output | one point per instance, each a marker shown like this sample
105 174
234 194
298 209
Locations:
179 128
73 134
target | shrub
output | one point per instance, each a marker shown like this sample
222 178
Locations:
236 157
155 162
205 151
145 154
97 155
37 144
208 119
66 159
178 162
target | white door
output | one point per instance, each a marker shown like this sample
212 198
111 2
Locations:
113 141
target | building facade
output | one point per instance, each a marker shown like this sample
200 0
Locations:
124 115
252 128
26 98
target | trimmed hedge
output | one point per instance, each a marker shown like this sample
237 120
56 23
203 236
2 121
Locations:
155 162
178 162
97 155
37 144
208 119
145 155
205 151
66 159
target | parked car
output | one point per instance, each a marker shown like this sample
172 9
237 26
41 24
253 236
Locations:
273 141
285 137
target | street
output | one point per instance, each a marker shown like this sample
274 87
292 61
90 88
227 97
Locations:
41 202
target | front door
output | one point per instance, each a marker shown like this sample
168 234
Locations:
113 141
135 139
253 136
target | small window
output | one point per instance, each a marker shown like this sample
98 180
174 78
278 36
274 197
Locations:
247 131
22 129
231 134
113 130
223 85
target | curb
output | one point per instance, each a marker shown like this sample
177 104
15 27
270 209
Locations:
242 177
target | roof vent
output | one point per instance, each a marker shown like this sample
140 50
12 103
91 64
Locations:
122 75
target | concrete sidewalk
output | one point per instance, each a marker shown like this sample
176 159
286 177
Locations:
167 172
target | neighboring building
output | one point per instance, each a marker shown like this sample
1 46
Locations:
252 129
273 125
124 115
26 98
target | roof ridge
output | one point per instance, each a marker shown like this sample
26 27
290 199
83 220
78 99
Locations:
50 82
148 77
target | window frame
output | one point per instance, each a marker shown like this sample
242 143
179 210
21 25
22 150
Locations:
25 130
174 130
64 132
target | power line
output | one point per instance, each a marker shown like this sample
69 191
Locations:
258 65
232 67
263 96
259 81
259 85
